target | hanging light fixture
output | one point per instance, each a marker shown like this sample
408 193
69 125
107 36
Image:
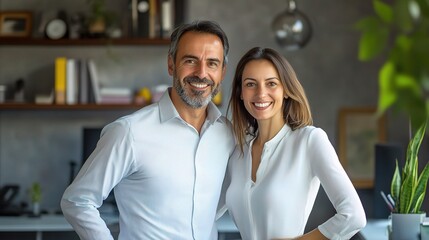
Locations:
292 28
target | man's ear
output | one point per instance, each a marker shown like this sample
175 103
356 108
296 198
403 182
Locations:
223 71
170 65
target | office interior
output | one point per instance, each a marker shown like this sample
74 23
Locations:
45 145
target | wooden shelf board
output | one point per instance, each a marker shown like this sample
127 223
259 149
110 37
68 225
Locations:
32 106
83 42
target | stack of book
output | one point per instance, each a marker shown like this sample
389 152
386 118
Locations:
116 96
77 82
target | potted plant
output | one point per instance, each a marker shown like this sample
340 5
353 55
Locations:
408 191
100 18
36 197
399 31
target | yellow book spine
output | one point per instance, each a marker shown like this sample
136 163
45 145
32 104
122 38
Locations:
60 80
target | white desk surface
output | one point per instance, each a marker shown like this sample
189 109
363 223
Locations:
44 223
375 229
57 223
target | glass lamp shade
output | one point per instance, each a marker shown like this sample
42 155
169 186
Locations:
292 28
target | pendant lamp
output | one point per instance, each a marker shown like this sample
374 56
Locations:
292 29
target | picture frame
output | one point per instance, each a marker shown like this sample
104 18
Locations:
15 24
359 130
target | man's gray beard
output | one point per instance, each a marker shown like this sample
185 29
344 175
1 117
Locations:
196 101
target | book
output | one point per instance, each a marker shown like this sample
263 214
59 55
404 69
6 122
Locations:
143 18
71 81
94 83
154 19
116 96
167 18
60 80
83 82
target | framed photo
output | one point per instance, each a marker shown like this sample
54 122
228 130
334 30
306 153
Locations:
359 130
15 24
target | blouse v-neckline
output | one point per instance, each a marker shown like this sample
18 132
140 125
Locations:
267 149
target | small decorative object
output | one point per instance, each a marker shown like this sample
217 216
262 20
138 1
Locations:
100 19
76 26
36 197
143 96
292 28
2 93
15 24
217 99
19 93
57 28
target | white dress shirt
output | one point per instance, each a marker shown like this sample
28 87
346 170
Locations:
166 176
277 205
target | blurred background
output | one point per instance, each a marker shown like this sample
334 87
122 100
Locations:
45 145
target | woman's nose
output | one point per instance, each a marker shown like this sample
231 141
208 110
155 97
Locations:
261 91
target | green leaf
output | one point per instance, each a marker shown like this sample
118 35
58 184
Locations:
387 92
404 81
406 194
395 186
367 24
403 19
420 190
373 39
383 10
416 142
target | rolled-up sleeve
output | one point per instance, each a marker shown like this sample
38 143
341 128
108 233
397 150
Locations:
350 216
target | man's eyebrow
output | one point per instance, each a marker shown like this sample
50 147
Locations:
214 60
189 56
196 58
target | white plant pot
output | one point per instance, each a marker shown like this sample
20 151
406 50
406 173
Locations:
36 208
406 226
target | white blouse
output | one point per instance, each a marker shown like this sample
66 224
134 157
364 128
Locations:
277 205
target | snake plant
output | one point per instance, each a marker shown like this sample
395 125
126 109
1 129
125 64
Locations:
408 189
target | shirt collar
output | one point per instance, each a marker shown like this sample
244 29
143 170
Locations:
284 131
168 111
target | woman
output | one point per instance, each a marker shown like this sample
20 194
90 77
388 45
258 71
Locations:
281 160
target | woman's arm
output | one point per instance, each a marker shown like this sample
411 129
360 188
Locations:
313 235
350 216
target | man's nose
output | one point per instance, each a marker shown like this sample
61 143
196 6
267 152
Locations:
201 71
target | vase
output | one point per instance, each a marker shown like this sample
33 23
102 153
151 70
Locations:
406 226
36 209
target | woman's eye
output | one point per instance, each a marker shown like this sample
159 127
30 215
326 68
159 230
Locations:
272 84
249 84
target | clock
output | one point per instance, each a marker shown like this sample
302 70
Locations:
56 29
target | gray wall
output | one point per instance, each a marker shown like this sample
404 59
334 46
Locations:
38 145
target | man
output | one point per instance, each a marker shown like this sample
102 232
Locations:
166 162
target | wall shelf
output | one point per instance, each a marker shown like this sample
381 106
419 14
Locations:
83 42
33 106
